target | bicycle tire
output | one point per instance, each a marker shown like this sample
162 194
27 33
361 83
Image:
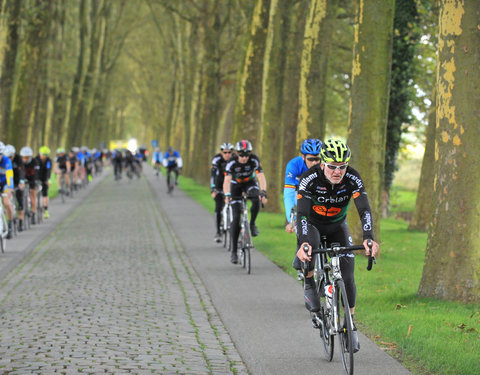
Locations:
248 263
247 246
328 339
344 321
2 243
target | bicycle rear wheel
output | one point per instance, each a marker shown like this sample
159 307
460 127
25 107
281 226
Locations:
344 320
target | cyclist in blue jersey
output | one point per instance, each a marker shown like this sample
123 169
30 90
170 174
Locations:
173 162
310 150
18 180
6 185
157 158
44 176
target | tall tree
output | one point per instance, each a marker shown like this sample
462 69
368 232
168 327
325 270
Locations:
13 14
372 60
313 74
271 132
249 93
451 269
402 91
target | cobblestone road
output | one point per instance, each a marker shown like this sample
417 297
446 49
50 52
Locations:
110 291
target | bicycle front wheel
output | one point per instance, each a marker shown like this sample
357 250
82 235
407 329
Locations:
344 320
324 322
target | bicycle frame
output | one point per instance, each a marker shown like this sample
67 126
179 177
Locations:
245 237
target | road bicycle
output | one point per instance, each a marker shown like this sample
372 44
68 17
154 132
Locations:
63 187
27 208
334 318
172 172
40 208
3 227
225 225
244 238
13 205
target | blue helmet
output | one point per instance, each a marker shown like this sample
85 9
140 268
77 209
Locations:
311 146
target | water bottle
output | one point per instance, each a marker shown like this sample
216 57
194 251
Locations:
328 295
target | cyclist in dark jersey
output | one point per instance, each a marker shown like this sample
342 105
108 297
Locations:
62 167
32 169
217 176
74 167
323 197
241 175
44 176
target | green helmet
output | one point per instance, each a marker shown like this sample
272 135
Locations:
335 151
44 150
60 150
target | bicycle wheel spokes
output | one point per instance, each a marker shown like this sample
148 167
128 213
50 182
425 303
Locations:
344 320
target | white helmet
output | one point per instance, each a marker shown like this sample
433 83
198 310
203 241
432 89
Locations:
26 151
2 148
9 151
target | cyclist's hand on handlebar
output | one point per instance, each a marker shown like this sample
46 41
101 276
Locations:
375 248
301 252
290 228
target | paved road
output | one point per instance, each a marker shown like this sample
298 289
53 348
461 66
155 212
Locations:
131 282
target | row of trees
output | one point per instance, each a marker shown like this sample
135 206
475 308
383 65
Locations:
196 73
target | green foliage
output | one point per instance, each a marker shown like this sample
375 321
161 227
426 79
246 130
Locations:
444 338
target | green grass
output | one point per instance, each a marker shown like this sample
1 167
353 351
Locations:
444 338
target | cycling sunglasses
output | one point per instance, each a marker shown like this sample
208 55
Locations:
333 167
226 152
243 154
313 159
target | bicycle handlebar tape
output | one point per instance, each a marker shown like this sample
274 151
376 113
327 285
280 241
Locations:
371 259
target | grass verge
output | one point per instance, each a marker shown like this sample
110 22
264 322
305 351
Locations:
428 336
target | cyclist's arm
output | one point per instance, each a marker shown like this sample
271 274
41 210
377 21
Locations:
262 182
226 184
289 200
9 176
179 163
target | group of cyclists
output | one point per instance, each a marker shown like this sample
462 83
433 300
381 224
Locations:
23 171
171 161
319 185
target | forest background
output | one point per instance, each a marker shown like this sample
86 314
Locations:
196 73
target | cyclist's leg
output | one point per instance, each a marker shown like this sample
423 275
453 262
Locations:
219 203
236 203
45 199
19 195
312 301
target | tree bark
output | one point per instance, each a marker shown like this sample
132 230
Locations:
313 75
369 104
13 11
249 96
451 269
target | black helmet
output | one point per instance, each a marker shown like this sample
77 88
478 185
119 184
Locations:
243 146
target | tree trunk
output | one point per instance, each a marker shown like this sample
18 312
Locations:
249 97
451 269
74 130
423 205
297 20
271 135
13 10
313 75
369 104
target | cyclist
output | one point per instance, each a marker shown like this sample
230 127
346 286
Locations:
62 167
6 185
217 177
173 162
157 158
32 168
74 167
310 150
82 174
18 180
323 197
241 175
44 175
117 159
